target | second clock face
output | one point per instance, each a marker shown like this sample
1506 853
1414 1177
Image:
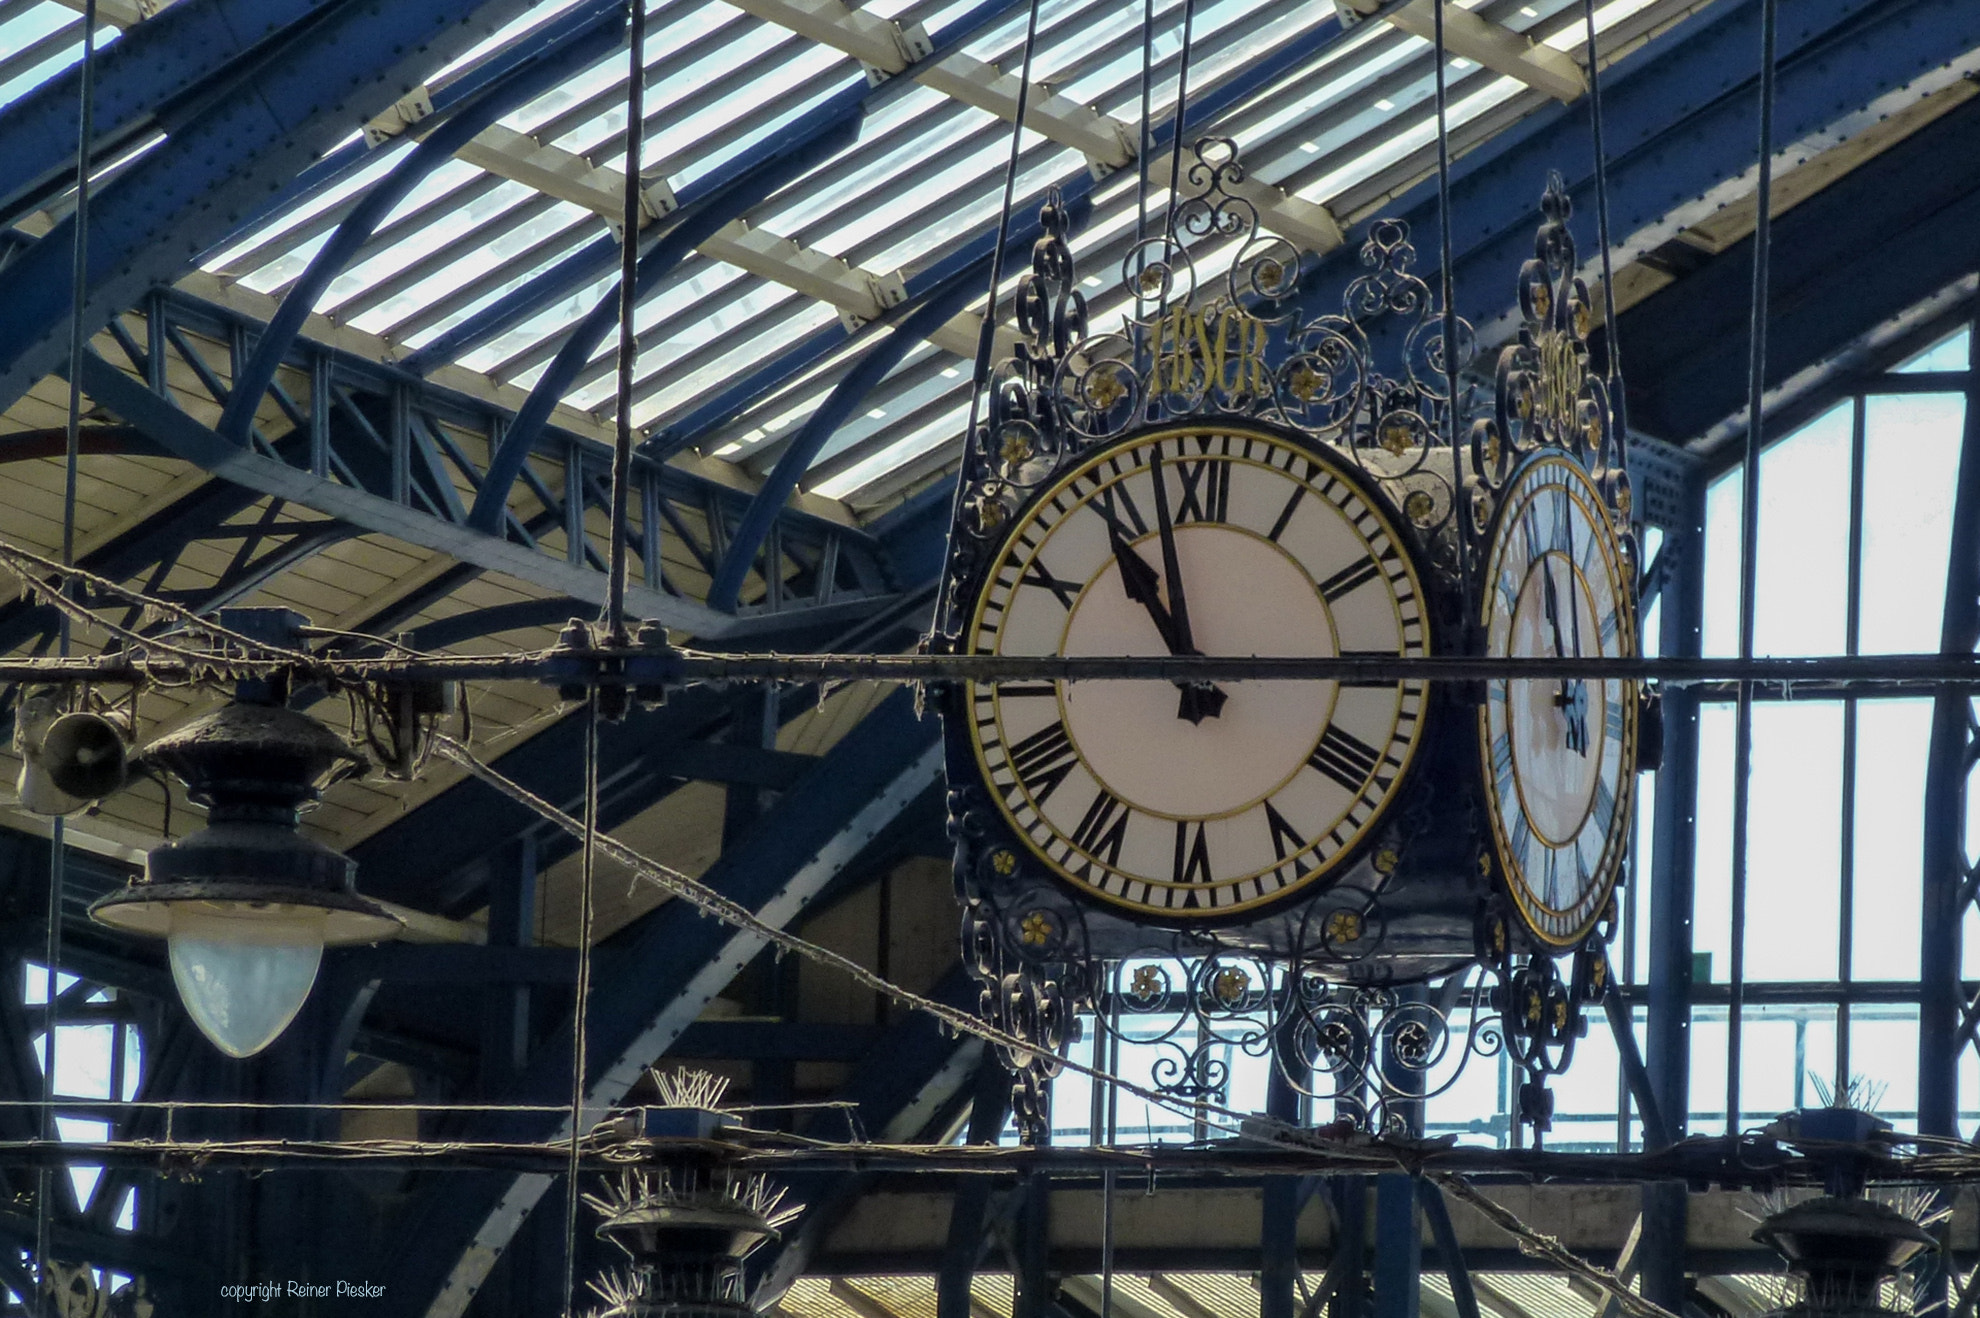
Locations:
1201 801
1558 755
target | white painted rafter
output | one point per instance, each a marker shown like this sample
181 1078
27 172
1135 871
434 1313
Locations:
119 13
1484 42
1106 142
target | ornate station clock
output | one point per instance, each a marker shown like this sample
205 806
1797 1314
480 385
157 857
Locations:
1265 863
1560 755
1209 800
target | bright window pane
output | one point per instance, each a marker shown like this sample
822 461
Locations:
1891 741
1910 468
1951 354
1794 842
1803 565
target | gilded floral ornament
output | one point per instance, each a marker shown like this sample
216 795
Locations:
1147 984
1105 386
1016 450
1344 926
1036 929
1230 985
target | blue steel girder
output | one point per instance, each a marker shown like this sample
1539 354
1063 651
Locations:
1947 1017
1828 284
385 451
558 56
311 86
1679 126
688 231
656 981
846 397
459 91
154 77
433 857
908 1087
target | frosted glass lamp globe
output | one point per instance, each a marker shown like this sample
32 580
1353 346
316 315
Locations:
244 974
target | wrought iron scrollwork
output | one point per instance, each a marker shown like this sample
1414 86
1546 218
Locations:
1546 392
1214 327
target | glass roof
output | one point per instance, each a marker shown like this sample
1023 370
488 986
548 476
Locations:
1348 125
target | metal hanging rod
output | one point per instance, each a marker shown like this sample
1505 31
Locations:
666 667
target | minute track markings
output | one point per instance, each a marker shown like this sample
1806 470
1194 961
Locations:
1085 818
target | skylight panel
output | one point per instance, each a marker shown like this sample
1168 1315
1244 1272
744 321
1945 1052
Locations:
710 155
283 270
486 293
714 77
917 127
1399 144
553 319
926 439
955 204
428 240
748 353
477 263
251 251
511 33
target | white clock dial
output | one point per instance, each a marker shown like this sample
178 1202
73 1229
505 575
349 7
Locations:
1204 801
1558 755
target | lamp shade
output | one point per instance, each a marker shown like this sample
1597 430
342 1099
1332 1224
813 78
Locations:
243 975
247 904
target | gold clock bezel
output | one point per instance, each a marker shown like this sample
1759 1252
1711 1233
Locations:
1512 874
1391 524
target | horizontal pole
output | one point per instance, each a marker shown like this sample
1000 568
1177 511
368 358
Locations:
665 667
1268 1148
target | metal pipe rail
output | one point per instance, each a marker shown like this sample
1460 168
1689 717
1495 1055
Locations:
662 668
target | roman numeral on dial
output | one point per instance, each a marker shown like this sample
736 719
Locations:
1042 760
1066 592
1102 829
1206 491
1350 578
1192 852
1345 758
1286 840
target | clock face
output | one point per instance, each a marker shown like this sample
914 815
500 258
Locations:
1198 802
1558 755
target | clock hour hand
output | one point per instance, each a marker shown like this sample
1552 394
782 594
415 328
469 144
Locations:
1200 700
1572 697
1142 585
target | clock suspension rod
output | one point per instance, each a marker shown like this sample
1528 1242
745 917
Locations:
1827 676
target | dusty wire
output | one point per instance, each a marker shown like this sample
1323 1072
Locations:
710 902
580 1051
986 338
25 562
1611 341
622 436
71 475
1448 286
1749 568
1537 1244
1182 108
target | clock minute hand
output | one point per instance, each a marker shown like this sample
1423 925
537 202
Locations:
1200 700
1140 583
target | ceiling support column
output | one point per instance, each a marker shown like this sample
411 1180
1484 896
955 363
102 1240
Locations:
1673 855
1398 1247
970 1207
1283 1196
505 1005
1034 1295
